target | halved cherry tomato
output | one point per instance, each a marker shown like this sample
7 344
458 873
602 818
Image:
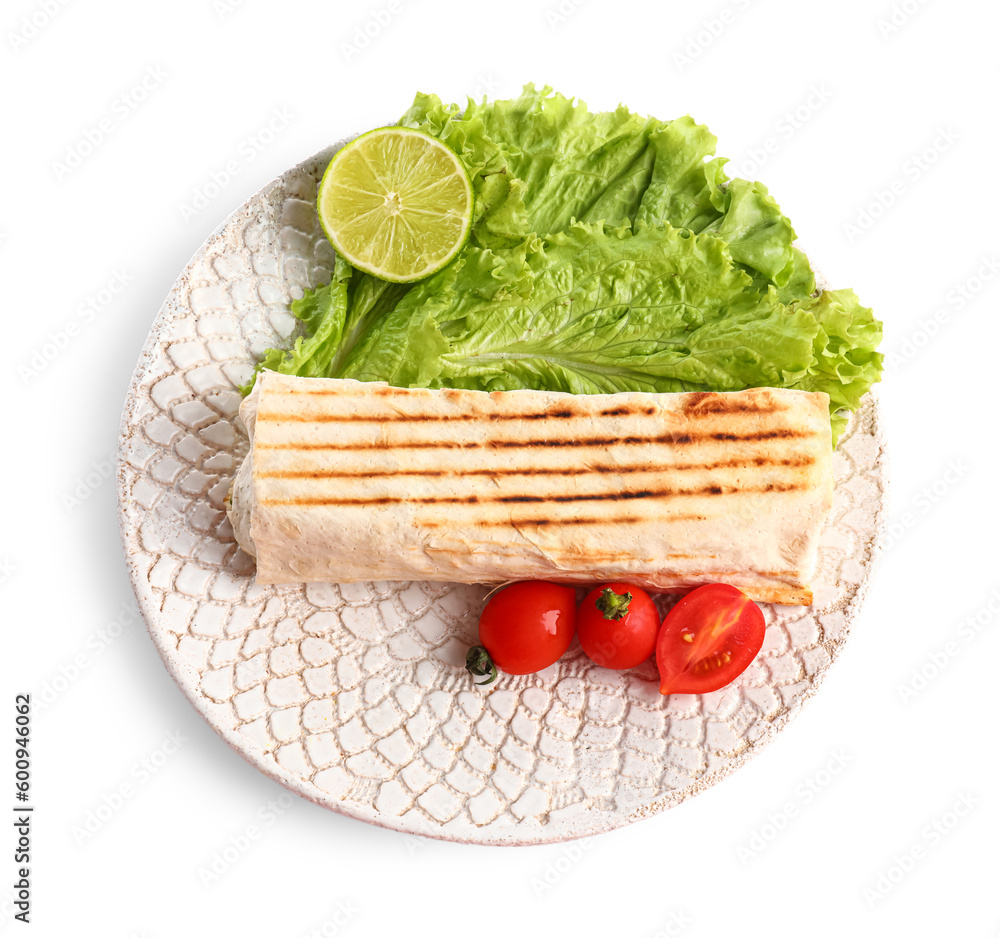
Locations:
524 628
617 625
708 639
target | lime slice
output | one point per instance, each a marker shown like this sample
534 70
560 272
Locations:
396 203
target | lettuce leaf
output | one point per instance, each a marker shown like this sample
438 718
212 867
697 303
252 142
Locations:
845 361
323 314
611 309
540 162
333 317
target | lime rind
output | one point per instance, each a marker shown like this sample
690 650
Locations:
396 203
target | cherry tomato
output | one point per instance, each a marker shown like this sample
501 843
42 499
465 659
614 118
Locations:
617 625
708 639
524 628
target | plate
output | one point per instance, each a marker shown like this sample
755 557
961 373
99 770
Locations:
355 695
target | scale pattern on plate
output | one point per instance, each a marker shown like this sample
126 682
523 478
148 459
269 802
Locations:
355 695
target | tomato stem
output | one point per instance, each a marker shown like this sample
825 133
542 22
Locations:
479 663
613 605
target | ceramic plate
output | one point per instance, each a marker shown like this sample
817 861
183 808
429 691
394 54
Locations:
355 695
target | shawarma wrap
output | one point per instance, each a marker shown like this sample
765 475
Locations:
348 481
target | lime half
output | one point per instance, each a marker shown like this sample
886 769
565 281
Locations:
396 203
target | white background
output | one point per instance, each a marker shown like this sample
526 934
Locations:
895 102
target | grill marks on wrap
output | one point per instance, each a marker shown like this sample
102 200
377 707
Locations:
761 436
795 462
661 493
643 492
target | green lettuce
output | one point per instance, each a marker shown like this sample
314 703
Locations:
540 162
608 252
845 364
610 309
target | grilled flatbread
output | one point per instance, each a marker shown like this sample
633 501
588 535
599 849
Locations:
349 481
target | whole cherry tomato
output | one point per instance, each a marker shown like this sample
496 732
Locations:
525 627
618 625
